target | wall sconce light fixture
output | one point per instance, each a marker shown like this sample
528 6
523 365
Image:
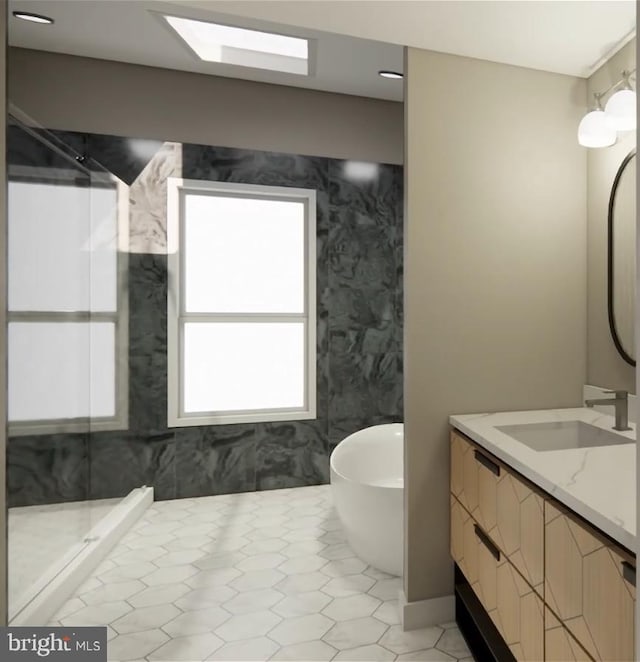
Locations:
599 127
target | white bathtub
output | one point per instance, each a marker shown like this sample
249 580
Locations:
367 484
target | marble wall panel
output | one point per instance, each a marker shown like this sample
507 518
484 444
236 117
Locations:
47 469
359 338
147 342
291 454
126 158
365 389
215 460
120 462
228 164
148 201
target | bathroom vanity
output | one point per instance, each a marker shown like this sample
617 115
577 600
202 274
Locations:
542 528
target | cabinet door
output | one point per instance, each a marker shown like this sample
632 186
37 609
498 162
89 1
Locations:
464 545
519 614
559 645
513 606
590 585
519 529
473 480
503 504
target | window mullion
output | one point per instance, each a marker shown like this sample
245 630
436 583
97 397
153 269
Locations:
242 317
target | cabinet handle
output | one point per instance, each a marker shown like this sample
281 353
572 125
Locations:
629 573
486 462
487 542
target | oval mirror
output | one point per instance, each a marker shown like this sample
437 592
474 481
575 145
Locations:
621 265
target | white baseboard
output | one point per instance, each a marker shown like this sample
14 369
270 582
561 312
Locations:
57 585
425 613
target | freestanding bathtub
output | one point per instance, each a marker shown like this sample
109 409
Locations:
367 484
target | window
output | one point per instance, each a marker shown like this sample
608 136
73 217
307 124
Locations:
67 332
241 305
213 42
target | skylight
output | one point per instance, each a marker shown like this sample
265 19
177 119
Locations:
212 42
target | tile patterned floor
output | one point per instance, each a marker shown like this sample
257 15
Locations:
40 536
255 576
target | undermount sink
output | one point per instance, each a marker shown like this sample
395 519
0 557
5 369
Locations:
562 435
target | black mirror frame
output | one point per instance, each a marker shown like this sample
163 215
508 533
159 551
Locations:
610 257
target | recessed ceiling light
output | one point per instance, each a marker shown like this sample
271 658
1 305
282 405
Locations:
34 18
390 74
213 42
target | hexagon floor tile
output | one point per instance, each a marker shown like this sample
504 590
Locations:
301 628
355 632
252 577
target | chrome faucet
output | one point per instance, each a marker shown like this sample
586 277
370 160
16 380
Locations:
621 404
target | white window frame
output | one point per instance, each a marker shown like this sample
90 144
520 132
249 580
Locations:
177 317
119 317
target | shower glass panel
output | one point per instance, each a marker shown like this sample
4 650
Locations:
66 333
48 360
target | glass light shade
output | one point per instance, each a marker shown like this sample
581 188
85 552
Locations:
595 130
621 110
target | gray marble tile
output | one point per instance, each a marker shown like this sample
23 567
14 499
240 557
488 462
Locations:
147 342
359 333
364 390
121 462
215 460
361 252
362 320
227 164
362 277
322 286
76 141
126 158
148 200
399 253
322 388
291 454
322 304
147 391
374 198
365 300
323 217
148 296
47 469
43 152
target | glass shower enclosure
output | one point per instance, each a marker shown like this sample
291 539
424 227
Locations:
67 356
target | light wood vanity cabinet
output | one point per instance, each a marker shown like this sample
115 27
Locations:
554 587
513 606
589 585
559 645
506 508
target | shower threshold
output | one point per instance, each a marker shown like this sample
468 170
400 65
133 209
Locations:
41 600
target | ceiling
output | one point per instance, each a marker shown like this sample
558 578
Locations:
132 31
353 38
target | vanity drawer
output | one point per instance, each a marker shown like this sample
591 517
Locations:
559 645
590 585
513 606
504 505
474 474
464 544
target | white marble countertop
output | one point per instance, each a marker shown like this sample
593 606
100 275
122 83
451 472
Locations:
598 483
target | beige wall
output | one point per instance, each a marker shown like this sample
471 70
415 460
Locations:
82 94
605 367
495 268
